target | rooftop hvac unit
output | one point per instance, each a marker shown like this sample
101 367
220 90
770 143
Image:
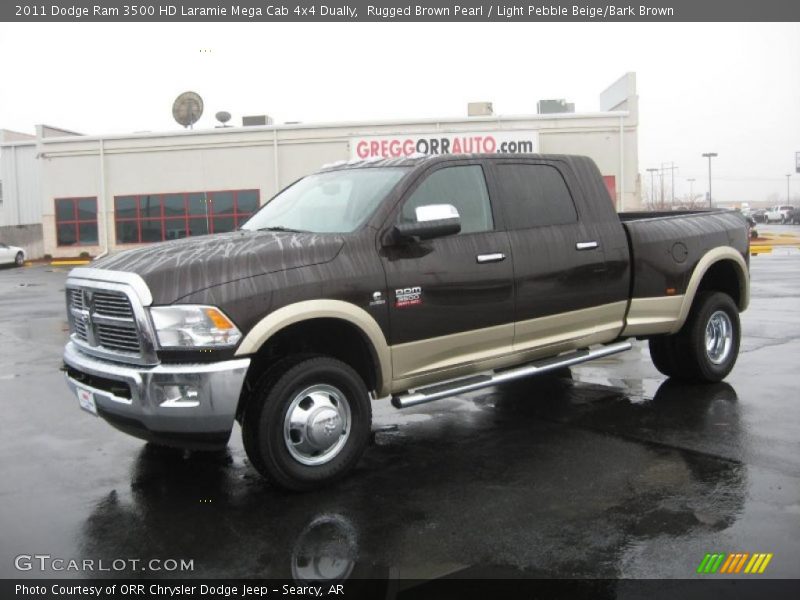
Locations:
480 109
546 107
255 120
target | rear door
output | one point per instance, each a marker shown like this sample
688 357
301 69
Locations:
561 274
451 298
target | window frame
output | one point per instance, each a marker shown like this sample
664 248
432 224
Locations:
497 224
163 218
75 221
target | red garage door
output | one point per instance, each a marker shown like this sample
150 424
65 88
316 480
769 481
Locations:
611 186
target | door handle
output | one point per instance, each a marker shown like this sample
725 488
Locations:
490 258
586 245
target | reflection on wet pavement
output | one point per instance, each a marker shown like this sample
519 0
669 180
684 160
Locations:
520 484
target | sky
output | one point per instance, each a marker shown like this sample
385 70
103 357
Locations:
732 88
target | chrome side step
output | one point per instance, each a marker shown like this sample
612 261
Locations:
437 391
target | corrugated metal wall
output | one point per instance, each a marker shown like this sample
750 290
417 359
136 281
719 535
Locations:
22 193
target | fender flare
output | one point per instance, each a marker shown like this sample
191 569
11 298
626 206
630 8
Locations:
708 260
306 310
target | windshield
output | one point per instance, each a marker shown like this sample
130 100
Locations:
332 202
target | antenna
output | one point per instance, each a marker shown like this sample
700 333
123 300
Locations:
187 109
223 117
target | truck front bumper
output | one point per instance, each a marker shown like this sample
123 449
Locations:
182 405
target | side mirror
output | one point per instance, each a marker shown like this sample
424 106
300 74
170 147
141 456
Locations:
433 220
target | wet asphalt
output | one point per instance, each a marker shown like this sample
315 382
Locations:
607 470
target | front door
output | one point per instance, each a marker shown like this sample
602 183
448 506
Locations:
451 298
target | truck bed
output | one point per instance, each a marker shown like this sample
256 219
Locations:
665 247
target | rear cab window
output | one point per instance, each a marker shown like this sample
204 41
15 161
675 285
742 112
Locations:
534 195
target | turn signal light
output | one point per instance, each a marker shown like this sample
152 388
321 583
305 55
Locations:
220 321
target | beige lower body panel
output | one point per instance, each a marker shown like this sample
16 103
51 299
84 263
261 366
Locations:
437 355
605 320
648 316
458 355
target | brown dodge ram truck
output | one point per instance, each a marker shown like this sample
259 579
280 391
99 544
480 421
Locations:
415 278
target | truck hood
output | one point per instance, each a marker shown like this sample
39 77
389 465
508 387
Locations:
177 268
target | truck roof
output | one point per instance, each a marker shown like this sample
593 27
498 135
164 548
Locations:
417 159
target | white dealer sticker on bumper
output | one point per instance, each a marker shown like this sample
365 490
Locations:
86 400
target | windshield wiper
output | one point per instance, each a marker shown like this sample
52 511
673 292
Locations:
282 228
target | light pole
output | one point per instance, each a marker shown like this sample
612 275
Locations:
652 184
709 156
671 168
691 194
788 198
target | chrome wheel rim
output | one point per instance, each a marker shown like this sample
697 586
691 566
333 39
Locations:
317 424
20 260
719 337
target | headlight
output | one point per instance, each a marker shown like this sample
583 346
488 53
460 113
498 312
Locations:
189 326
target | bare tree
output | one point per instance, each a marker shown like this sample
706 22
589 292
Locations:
661 201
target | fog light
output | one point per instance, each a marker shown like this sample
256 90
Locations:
176 395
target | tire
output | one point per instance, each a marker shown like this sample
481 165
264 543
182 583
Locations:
706 347
19 259
663 355
277 426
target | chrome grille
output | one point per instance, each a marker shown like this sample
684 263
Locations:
75 297
117 337
103 319
79 329
112 305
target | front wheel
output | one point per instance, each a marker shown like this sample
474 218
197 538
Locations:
706 347
19 259
307 423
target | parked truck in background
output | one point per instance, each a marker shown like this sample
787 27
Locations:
415 278
778 214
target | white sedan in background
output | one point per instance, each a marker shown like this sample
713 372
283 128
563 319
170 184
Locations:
11 255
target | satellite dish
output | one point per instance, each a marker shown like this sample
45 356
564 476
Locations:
187 108
223 117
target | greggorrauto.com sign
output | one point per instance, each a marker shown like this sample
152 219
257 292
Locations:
462 142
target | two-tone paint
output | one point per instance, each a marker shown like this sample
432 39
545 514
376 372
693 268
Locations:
557 288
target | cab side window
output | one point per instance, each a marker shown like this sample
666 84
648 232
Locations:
464 188
535 196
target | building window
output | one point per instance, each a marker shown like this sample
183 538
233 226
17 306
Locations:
146 218
76 221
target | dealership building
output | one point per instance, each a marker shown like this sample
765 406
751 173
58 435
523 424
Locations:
64 193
